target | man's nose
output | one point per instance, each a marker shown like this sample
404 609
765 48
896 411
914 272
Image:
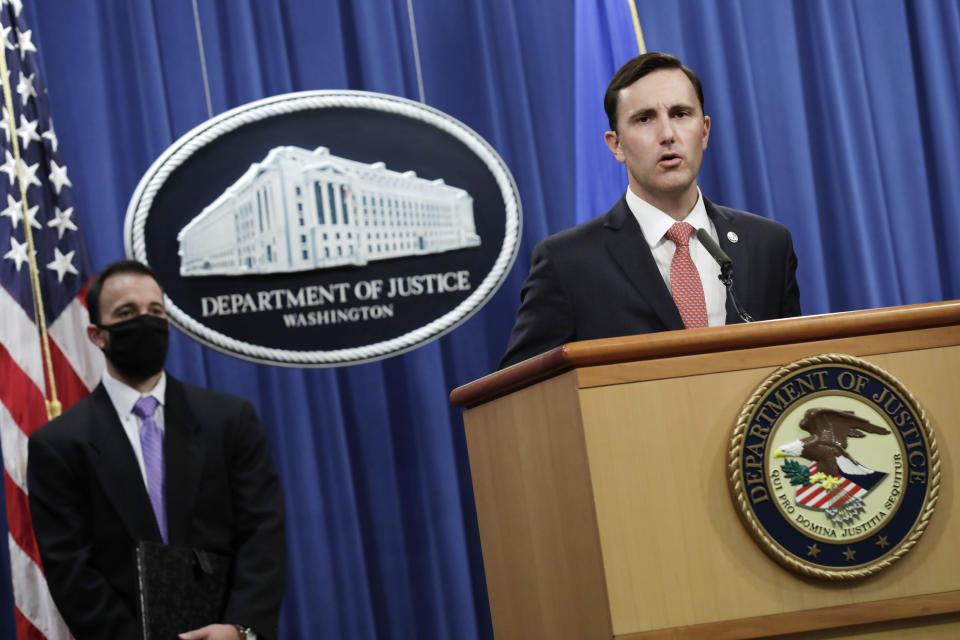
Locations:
667 132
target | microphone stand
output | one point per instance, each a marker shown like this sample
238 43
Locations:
726 277
726 270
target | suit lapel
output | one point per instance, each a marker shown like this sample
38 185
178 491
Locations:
725 224
630 251
183 454
117 469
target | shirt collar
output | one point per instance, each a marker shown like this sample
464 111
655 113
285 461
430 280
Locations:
124 397
654 223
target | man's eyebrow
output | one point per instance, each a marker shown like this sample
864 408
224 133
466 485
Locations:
649 111
642 111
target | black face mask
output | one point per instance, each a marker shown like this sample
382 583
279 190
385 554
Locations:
138 346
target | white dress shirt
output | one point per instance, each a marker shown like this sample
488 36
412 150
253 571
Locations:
124 398
655 223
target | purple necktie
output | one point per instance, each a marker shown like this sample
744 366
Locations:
151 440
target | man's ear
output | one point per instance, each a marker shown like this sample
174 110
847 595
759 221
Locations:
93 334
613 143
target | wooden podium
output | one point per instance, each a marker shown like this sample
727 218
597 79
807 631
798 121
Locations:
599 471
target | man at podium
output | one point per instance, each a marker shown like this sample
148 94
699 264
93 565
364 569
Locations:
640 267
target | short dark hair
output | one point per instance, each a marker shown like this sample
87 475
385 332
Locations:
96 285
636 69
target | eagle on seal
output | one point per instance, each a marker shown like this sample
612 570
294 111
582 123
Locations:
827 444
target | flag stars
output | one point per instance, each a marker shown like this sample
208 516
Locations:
25 88
50 137
5 124
17 6
14 211
17 253
28 173
58 176
24 39
62 264
5 37
9 167
62 221
28 131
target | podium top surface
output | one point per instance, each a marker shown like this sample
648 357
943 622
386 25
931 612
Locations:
707 340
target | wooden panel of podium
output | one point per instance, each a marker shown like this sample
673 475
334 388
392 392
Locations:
600 478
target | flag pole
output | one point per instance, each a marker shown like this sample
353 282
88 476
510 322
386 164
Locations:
637 31
52 402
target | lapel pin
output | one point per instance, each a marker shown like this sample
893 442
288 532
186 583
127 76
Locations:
733 237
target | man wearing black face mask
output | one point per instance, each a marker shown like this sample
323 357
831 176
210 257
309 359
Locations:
145 457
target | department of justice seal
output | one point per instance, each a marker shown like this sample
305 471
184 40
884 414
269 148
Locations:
833 467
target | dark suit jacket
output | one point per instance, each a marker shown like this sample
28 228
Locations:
599 280
90 506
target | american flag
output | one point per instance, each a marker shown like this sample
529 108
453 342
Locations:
44 353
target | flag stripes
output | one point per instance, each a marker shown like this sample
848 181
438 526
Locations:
25 630
18 521
70 387
12 438
816 497
37 617
18 335
68 332
21 397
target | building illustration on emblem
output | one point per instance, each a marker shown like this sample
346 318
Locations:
299 210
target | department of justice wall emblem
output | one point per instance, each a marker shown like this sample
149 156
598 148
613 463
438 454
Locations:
834 467
326 228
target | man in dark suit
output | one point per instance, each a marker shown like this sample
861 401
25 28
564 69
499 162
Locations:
638 268
191 469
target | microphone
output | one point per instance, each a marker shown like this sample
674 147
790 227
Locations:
726 269
726 264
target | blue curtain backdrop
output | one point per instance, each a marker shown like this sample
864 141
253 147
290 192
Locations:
836 117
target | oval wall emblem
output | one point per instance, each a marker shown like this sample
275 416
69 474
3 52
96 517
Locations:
834 467
325 228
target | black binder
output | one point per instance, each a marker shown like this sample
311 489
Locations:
179 589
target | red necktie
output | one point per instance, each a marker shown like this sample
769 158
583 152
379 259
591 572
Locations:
685 284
